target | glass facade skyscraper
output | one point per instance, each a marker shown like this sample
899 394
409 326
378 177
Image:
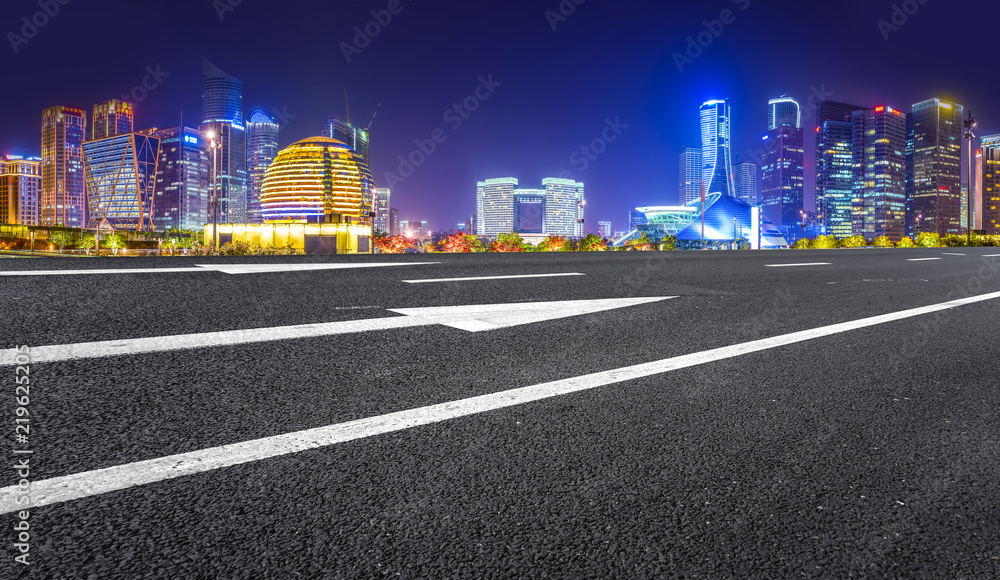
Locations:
879 159
835 166
182 180
262 146
717 166
690 174
497 207
937 162
563 207
112 118
121 180
222 115
20 184
783 111
354 137
382 201
990 184
745 179
783 179
63 199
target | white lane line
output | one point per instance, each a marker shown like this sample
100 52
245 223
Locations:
950 254
796 265
992 256
922 259
471 318
91 483
429 280
224 268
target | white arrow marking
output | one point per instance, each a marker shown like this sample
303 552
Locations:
471 318
429 280
225 268
119 477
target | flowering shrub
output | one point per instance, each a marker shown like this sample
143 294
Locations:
393 244
554 244
928 240
507 243
853 242
881 242
461 244
906 243
823 243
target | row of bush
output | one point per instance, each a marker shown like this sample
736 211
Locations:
242 249
923 240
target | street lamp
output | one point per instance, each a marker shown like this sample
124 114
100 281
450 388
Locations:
802 213
580 220
372 215
214 199
920 216
969 124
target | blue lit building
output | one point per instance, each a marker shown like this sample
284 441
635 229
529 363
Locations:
121 180
182 180
835 166
262 146
717 164
222 120
783 168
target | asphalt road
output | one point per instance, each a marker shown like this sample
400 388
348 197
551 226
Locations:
868 453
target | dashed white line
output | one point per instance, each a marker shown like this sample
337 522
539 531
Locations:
796 265
922 259
992 256
121 477
950 254
429 280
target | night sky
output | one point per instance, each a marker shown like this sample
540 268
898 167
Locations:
605 60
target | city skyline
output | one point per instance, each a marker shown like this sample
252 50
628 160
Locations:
637 168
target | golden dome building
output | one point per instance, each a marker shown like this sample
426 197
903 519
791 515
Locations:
316 196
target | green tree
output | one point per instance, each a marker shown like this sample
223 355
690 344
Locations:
928 240
802 244
906 242
61 239
668 243
592 243
506 243
882 242
113 242
824 243
87 242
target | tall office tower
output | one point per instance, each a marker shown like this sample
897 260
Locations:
63 199
563 207
382 196
121 180
222 120
182 180
835 166
604 229
783 176
262 147
783 111
745 179
717 165
354 137
20 184
937 163
990 184
393 222
112 118
963 210
467 227
495 206
691 168
977 191
913 218
879 193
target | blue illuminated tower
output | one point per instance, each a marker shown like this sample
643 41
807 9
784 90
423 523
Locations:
717 165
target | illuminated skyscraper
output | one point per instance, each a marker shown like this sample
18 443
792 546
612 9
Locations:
222 115
783 179
121 180
495 206
382 197
604 229
182 180
783 112
354 137
112 118
990 184
690 174
717 165
879 158
560 207
835 166
563 207
20 184
63 199
262 146
937 174
745 179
